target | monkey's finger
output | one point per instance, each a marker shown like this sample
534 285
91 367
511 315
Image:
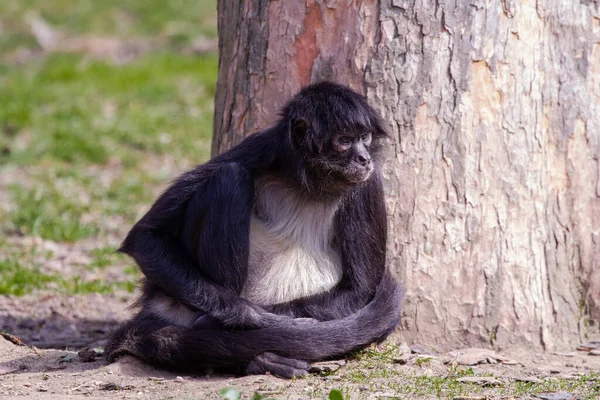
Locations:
300 322
206 322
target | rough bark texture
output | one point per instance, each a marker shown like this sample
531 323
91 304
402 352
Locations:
493 179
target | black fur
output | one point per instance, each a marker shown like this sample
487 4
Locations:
193 247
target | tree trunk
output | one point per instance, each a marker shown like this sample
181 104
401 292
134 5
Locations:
493 178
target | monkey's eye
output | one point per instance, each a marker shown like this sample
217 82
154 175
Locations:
345 140
366 138
342 143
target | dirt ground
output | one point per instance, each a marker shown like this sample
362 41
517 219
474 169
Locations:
51 322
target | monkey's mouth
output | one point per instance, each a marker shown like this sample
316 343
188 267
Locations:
344 173
356 173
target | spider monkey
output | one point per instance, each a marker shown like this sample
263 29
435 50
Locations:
271 255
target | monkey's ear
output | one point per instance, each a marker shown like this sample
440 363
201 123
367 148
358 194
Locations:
298 130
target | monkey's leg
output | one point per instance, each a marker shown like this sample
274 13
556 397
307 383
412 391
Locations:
160 343
276 349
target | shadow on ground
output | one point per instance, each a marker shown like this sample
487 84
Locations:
56 332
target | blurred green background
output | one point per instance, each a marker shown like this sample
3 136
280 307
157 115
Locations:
102 103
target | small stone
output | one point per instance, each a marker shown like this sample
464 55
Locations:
592 345
326 367
480 380
110 386
470 398
87 355
400 360
474 356
594 353
555 396
11 338
564 354
446 360
179 379
527 379
404 349
416 349
379 395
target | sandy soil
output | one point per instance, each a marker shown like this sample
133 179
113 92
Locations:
76 322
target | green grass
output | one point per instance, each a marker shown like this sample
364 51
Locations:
176 21
67 113
373 370
77 286
18 279
86 144
48 213
75 110
104 256
410 384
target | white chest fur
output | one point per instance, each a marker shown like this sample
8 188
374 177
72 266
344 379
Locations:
291 252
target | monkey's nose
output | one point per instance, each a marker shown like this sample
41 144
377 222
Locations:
364 161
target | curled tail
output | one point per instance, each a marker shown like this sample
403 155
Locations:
175 346
329 339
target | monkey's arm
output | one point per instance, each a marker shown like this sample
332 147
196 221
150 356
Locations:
362 235
193 244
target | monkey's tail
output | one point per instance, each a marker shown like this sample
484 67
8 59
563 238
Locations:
174 346
328 339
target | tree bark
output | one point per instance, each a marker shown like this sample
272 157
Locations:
493 177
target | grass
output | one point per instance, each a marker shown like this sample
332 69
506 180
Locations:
66 204
407 383
74 110
373 371
86 143
48 213
178 22
18 280
104 256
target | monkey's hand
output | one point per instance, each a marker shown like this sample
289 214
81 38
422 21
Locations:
240 313
247 315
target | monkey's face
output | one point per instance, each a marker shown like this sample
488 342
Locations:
348 158
336 157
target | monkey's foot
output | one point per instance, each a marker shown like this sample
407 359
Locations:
277 365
